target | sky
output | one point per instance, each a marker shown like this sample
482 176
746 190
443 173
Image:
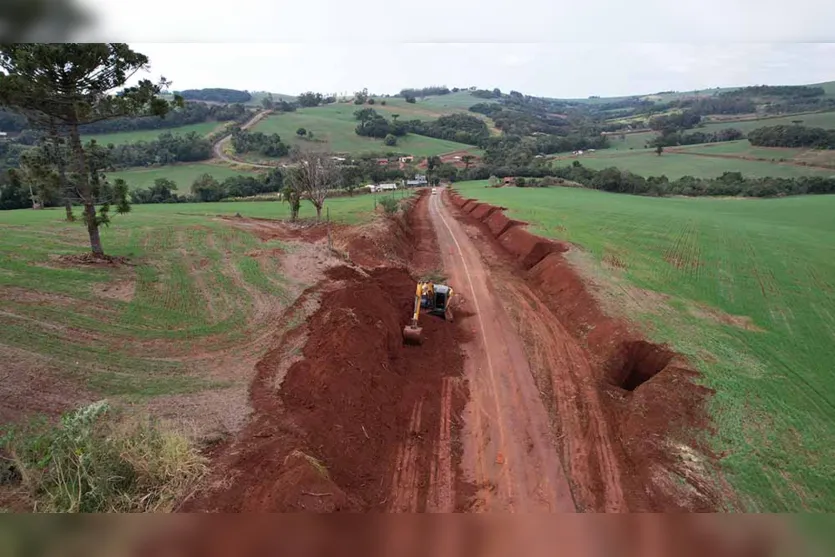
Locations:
550 48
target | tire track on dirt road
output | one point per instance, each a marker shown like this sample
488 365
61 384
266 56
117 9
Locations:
508 449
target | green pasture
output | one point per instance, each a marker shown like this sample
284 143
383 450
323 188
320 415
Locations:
196 278
118 138
182 174
768 262
333 127
675 165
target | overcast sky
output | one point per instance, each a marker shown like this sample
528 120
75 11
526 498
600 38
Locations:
544 47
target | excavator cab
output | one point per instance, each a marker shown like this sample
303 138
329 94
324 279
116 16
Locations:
437 300
433 299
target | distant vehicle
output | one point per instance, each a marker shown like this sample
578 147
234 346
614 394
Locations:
434 190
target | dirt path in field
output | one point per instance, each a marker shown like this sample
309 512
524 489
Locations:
508 449
221 143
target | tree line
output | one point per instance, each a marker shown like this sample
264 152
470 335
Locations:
616 180
187 114
675 138
792 136
269 145
217 94
433 90
461 128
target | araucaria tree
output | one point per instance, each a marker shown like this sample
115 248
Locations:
314 176
69 85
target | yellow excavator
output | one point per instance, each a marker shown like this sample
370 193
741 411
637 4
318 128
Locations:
433 299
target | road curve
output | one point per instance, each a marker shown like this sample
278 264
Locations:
221 143
508 450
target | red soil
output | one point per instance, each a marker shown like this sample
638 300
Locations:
360 421
618 399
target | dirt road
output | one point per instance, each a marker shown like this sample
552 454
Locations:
221 143
508 451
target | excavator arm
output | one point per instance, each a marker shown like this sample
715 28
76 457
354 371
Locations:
411 332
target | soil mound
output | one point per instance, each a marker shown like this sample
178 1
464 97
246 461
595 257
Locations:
347 417
527 248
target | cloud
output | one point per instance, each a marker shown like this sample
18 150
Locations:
557 70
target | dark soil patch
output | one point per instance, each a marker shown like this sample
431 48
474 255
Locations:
90 259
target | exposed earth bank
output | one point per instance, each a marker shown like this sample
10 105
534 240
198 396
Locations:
533 399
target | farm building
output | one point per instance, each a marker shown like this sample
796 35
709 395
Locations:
380 187
418 181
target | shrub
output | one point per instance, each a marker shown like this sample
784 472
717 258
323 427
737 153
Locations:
390 140
86 463
390 204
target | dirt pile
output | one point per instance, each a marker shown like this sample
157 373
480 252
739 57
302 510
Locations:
346 416
645 391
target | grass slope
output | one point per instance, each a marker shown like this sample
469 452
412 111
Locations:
770 260
675 165
182 174
335 124
196 279
814 120
203 128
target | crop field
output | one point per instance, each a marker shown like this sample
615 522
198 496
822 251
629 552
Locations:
747 293
182 174
134 330
203 128
675 165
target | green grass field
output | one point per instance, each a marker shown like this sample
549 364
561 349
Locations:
196 280
335 125
743 148
203 128
772 261
675 165
814 120
182 174
630 141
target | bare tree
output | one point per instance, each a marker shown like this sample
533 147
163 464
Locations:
315 176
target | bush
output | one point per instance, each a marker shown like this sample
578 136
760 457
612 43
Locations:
390 204
86 463
390 140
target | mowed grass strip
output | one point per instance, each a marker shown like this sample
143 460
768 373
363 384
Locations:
192 289
119 138
769 262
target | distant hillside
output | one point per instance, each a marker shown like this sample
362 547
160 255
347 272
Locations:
667 96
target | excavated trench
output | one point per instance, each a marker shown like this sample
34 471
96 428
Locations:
638 399
346 417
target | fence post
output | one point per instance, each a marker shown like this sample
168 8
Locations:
328 217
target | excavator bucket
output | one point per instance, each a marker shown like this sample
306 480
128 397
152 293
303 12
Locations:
412 335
